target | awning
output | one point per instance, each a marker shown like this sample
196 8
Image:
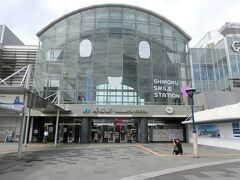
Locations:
34 100
220 114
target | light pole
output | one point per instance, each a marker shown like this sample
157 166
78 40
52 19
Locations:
191 93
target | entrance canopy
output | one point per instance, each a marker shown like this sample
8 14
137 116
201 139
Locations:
34 100
219 114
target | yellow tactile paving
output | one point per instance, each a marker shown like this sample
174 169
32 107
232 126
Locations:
212 154
151 151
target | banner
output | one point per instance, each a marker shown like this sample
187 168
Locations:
11 102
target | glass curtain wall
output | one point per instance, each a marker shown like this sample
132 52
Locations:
113 55
210 69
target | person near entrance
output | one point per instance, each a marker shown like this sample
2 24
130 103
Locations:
96 137
177 147
105 136
45 136
129 136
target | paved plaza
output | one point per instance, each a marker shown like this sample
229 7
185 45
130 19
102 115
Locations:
117 161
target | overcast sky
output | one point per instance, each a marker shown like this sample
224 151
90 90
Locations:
196 17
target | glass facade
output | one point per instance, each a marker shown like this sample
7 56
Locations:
210 69
217 68
114 55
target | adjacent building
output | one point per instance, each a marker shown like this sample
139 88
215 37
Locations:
217 80
14 55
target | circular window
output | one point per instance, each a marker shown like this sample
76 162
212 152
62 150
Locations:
144 49
85 48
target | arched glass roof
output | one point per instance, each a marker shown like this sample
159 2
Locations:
114 5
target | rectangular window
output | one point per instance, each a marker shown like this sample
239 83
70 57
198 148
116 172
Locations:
210 72
54 68
233 64
181 46
142 28
115 13
49 55
217 73
129 27
130 53
102 13
169 44
129 40
52 83
115 27
128 14
236 128
221 69
69 83
159 70
172 71
101 26
196 71
88 16
203 71
236 83
155 30
115 40
87 27
59 41
55 54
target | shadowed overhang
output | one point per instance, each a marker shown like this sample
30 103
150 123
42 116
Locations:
34 100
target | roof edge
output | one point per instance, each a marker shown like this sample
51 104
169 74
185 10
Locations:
222 120
112 5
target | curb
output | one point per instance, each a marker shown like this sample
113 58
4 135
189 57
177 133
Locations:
177 169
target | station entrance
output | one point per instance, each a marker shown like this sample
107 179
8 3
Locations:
69 130
114 130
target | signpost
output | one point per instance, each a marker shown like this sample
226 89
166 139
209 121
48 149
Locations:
191 92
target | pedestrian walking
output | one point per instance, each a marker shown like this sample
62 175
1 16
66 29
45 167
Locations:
45 136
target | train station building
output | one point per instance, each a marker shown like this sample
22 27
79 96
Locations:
120 73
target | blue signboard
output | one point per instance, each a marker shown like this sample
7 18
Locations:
86 110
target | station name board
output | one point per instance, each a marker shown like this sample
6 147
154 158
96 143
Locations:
164 88
107 109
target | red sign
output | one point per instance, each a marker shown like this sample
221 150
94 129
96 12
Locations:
118 123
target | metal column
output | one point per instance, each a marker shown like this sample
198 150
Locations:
22 127
25 102
85 130
26 129
143 130
31 130
57 119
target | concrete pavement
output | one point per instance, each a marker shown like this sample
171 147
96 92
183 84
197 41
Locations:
6 148
220 170
114 161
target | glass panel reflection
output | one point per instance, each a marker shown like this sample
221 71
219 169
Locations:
109 55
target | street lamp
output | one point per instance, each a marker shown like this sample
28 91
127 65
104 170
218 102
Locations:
191 92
